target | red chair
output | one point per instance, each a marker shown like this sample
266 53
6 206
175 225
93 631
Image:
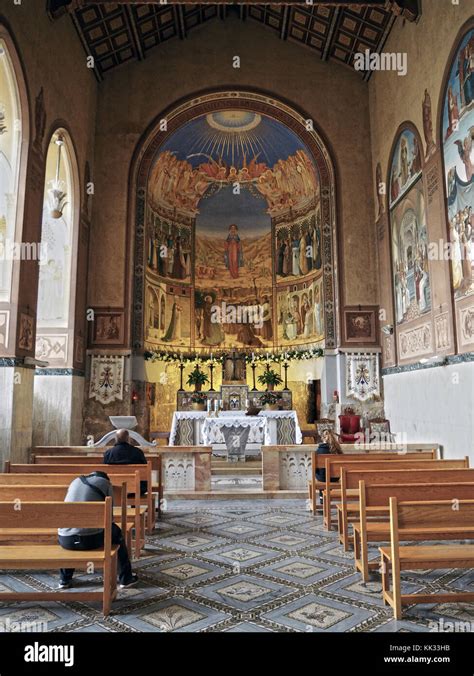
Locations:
349 428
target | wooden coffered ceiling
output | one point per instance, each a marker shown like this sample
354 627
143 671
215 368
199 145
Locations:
119 32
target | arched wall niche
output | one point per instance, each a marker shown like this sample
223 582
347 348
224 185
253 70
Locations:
15 135
59 237
455 132
191 272
409 240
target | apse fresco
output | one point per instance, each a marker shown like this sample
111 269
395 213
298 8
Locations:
233 212
411 272
458 151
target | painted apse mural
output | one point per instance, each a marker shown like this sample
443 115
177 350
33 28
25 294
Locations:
233 236
458 152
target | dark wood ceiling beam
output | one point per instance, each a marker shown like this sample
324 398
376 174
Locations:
180 21
134 33
285 23
330 38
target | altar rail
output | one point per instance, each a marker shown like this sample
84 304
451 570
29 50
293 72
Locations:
288 467
184 468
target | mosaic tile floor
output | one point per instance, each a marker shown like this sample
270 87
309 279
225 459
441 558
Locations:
242 566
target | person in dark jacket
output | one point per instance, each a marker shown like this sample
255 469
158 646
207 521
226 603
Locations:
330 444
94 487
123 453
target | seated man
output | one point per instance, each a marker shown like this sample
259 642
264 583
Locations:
94 487
123 453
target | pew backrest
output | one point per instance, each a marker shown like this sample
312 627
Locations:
334 467
433 514
351 477
377 495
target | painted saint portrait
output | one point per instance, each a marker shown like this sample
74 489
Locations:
411 272
406 164
458 152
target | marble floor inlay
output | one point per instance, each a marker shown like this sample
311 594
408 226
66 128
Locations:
240 566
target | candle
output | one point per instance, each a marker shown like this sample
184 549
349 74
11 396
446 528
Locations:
211 356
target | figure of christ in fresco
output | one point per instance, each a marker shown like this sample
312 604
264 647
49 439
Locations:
212 332
173 334
233 252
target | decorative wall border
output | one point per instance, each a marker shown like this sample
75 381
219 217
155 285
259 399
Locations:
449 360
60 372
244 100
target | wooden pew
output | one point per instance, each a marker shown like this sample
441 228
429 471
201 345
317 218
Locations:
348 507
85 452
318 461
377 530
334 466
135 514
110 470
48 556
439 517
18 493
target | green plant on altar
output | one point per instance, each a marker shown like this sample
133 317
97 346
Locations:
198 398
269 378
197 378
270 398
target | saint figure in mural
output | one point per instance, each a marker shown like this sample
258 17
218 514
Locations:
174 329
267 329
233 252
212 333
179 263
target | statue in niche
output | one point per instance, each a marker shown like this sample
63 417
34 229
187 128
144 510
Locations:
428 126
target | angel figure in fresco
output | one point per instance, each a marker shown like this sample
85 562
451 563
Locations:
173 334
464 150
233 256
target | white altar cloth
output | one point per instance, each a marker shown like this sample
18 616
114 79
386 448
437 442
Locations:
273 416
211 431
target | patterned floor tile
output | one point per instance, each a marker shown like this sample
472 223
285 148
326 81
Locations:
313 613
241 556
299 571
177 615
186 571
244 592
247 627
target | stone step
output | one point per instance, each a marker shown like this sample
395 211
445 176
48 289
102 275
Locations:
236 468
236 495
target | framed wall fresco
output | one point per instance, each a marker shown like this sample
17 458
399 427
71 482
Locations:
458 153
360 325
107 327
406 164
410 264
235 229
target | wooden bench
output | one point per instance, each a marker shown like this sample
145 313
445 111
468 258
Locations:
318 461
333 471
135 515
51 455
19 493
87 467
348 507
48 556
376 498
439 517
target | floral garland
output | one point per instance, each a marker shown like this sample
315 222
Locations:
252 358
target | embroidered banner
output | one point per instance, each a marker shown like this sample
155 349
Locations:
362 376
106 384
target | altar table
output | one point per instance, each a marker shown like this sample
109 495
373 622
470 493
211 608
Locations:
280 427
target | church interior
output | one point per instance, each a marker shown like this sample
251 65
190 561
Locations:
238 238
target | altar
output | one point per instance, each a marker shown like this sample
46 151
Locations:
233 433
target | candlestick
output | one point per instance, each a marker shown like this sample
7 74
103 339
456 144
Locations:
181 368
285 366
253 366
211 369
